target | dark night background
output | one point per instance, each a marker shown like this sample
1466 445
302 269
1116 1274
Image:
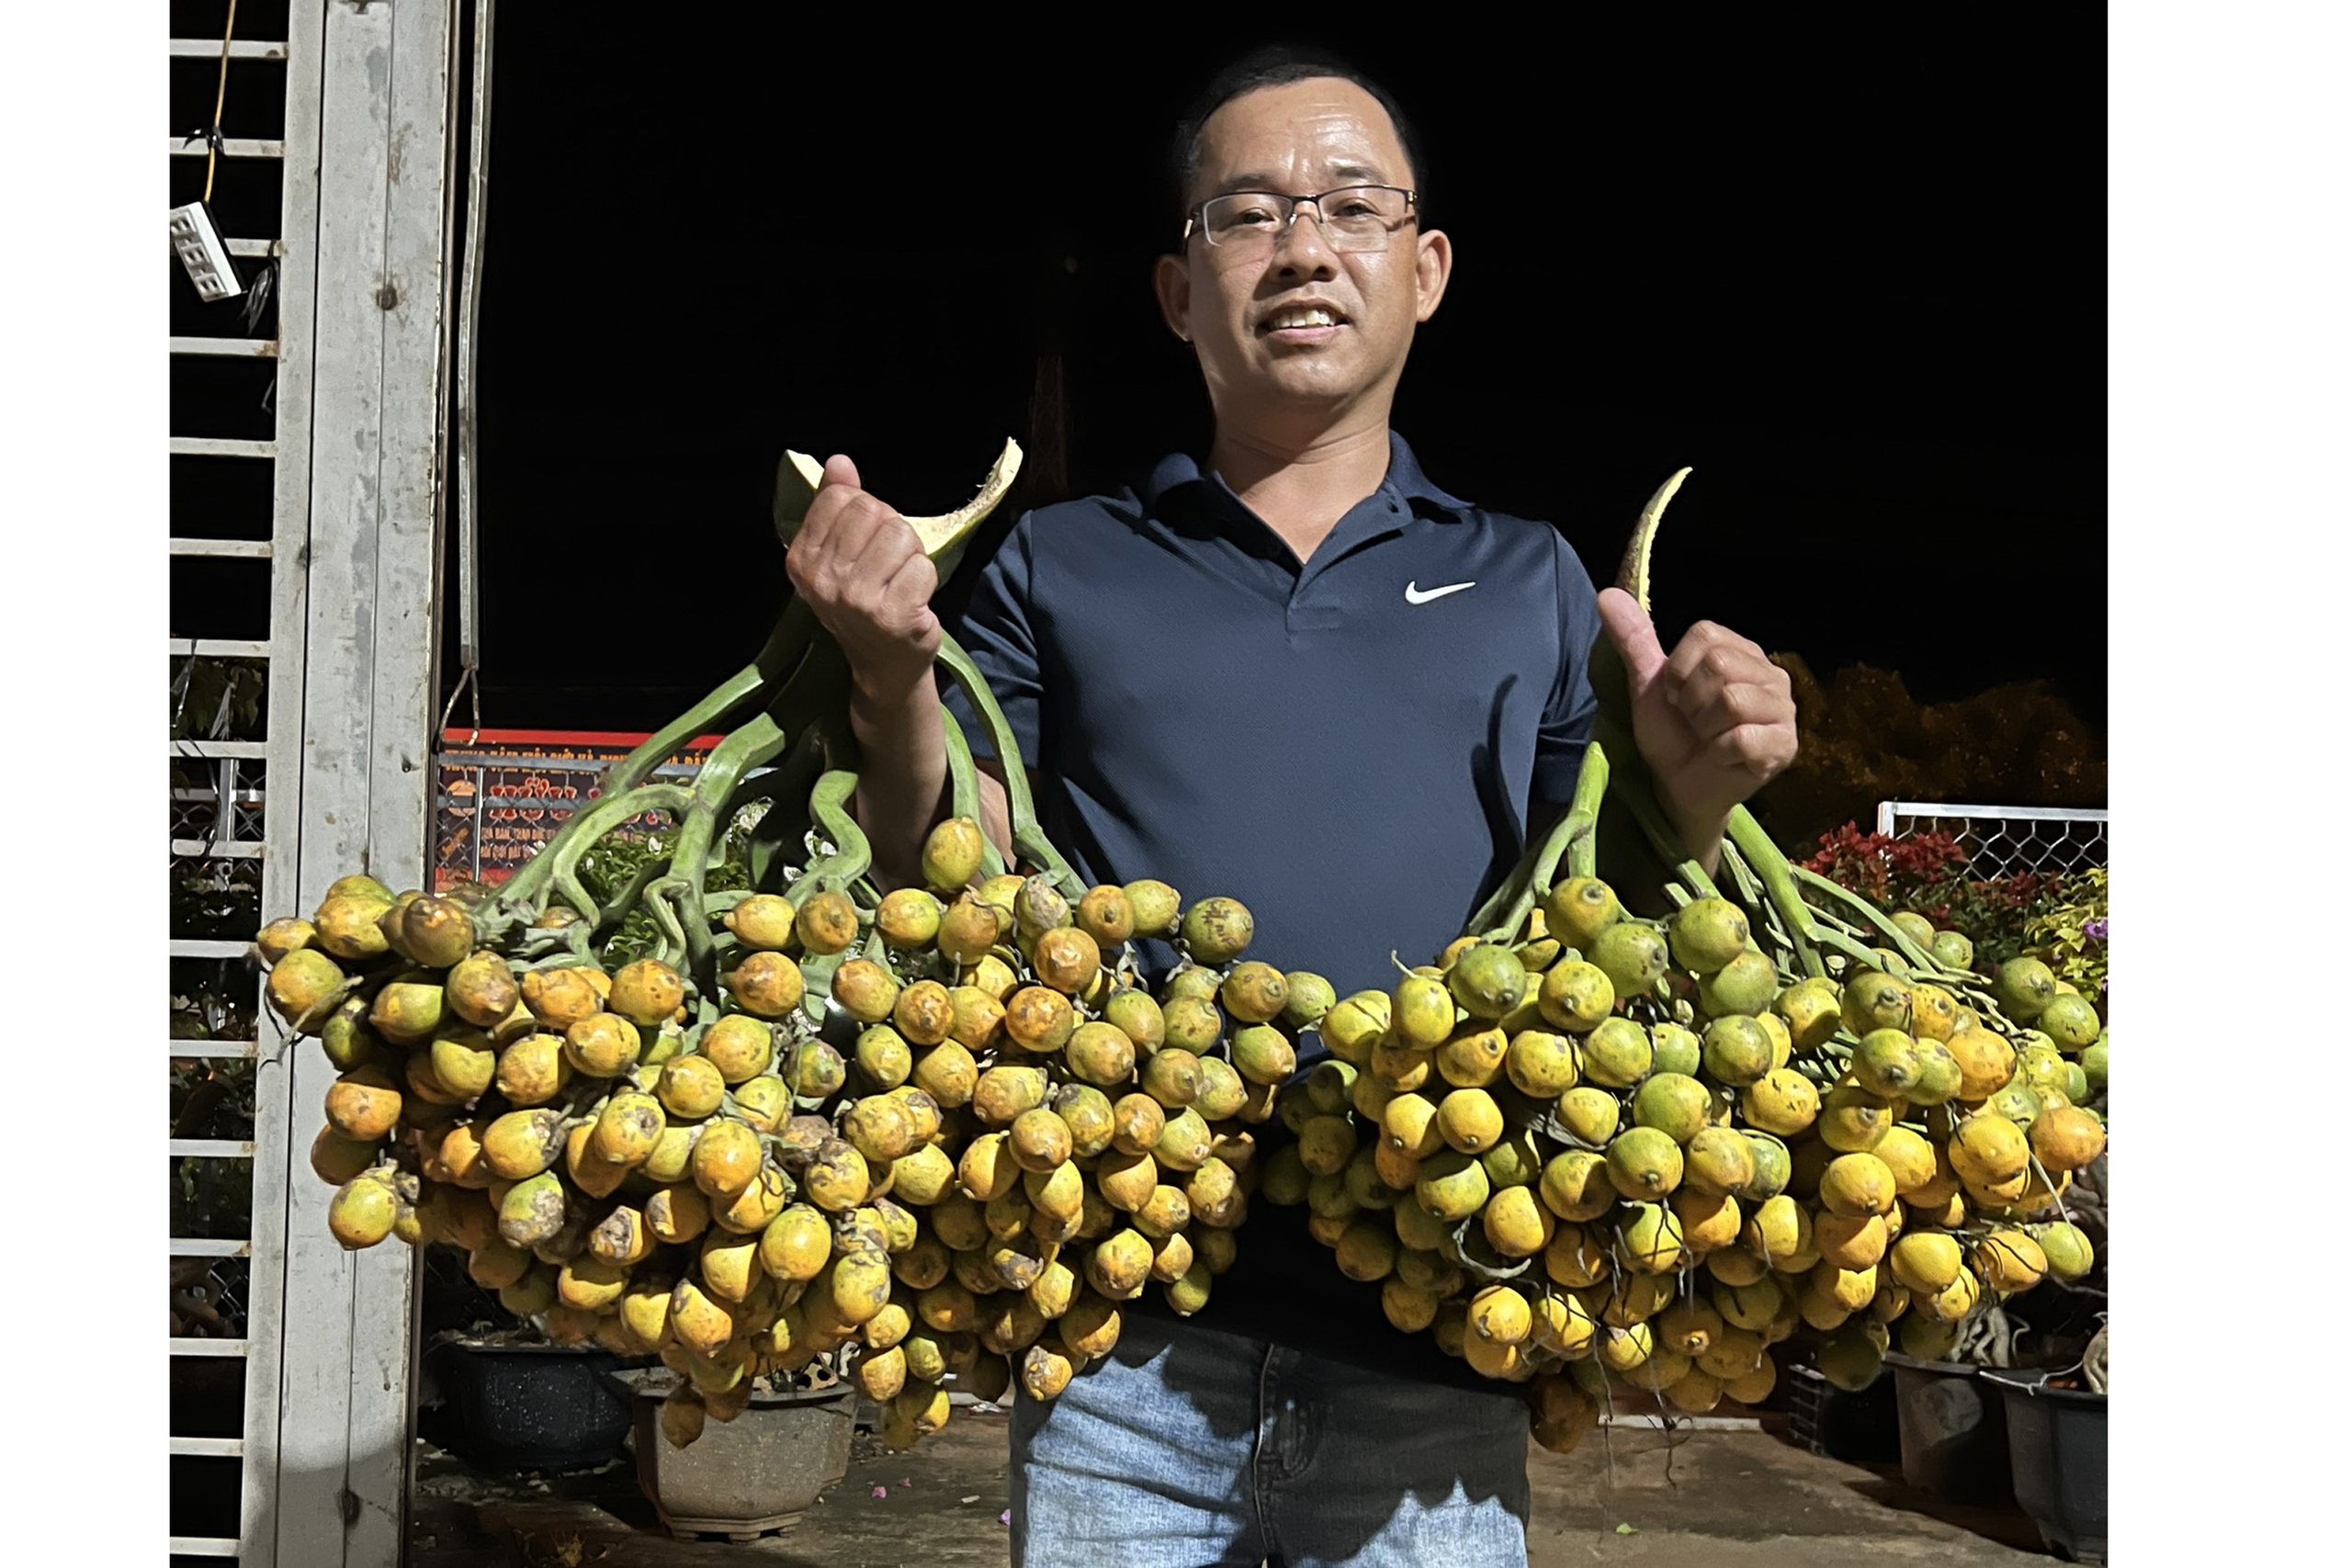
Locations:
1852 274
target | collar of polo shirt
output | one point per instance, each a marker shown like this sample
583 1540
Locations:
1179 470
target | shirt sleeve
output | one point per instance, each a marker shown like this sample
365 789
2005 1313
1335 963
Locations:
994 624
1567 717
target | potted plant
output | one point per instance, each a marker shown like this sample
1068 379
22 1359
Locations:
1964 1415
2056 1420
2057 1432
749 1465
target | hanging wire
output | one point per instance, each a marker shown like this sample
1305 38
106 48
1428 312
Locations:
468 317
219 102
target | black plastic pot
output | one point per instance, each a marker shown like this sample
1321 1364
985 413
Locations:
516 1407
2057 1461
1860 1427
1955 1433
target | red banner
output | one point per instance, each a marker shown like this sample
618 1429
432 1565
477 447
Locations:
502 793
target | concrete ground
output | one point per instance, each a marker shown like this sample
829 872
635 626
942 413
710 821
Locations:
1707 1499
1749 1499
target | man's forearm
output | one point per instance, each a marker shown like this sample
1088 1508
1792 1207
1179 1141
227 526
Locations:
902 776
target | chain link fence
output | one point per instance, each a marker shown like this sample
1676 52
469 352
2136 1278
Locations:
2002 840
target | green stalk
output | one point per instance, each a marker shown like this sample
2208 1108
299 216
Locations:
1879 923
532 946
558 861
815 985
675 949
817 693
649 873
1787 881
852 854
1747 836
1487 919
1592 789
679 896
1749 891
753 788
570 950
1505 911
800 664
776 837
1823 920
1502 916
1630 786
812 705
1858 952
574 894
1760 910
963 776
786 648
757 742
1029 839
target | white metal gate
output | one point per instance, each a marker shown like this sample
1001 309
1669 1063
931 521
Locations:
339 777
2001 841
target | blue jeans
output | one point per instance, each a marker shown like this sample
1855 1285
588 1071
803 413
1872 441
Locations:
1187 1447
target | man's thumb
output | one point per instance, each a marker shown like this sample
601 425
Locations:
1629 627
840 470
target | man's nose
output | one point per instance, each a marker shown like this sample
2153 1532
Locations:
1301 246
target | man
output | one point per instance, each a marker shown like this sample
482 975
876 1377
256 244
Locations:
1301 674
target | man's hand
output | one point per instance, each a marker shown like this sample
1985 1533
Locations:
1714 720
863 571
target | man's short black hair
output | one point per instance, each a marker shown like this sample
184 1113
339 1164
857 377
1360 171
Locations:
1279 65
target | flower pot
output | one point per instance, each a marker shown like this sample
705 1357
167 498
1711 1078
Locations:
1858 1427
514 1407
741 1478
1955 1433
2057 1461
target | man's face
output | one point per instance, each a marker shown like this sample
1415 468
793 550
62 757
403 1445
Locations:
1243 306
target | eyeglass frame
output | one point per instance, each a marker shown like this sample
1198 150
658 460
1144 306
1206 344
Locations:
1193 219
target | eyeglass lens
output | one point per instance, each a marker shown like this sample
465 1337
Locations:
1356 217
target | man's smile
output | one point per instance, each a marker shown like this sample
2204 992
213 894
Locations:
1302 322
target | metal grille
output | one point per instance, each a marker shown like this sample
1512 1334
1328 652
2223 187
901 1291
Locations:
240 502
217 808
304 611
2002 840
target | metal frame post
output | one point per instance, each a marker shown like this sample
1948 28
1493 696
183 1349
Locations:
378 363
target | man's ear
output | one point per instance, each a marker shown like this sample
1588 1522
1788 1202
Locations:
1432 265
1171 283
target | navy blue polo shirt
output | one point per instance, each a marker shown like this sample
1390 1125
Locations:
1348 745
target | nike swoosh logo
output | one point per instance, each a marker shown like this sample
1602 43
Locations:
1413 594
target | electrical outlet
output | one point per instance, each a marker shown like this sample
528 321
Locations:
198 244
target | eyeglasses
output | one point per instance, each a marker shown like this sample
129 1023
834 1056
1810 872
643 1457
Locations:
1353 218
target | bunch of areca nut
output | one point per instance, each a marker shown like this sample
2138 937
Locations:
994 1139
1585 1148
929 1139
